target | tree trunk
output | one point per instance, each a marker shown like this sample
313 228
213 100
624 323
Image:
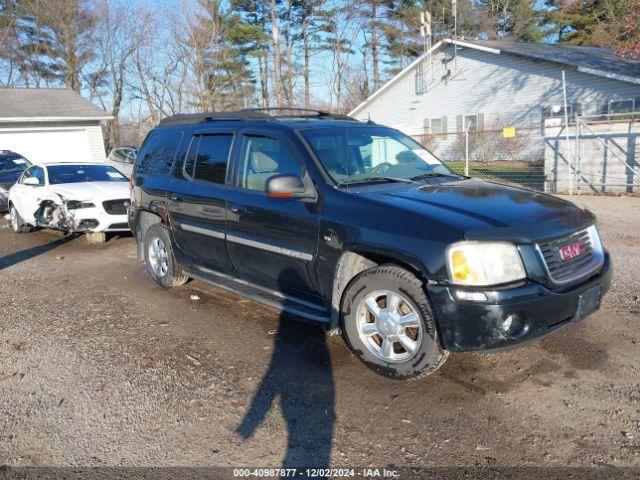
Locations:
374 46
277 59
306 71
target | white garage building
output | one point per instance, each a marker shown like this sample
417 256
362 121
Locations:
51 125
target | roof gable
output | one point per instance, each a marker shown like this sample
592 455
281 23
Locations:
46 104
591 60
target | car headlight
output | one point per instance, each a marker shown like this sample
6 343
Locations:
484 263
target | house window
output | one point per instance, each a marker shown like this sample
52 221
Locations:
436 125
473 121
557 111
470 123
620 107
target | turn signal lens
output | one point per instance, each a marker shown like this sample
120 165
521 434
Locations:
484 263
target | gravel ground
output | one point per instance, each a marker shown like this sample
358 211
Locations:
101 367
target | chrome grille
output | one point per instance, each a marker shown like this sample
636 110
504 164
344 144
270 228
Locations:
568 270
115 207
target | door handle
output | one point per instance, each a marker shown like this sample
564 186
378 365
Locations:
235 208
175 197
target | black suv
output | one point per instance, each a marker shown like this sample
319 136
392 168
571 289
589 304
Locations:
357 226
11 167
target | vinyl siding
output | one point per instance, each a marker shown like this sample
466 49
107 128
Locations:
508 90
96 143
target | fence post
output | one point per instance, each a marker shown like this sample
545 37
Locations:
466 151
578 154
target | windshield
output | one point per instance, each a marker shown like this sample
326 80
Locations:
15 164
355 154
84 173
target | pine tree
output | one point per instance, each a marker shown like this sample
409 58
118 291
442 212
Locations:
58 39
218 42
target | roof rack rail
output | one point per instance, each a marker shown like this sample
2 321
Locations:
299 113
250 114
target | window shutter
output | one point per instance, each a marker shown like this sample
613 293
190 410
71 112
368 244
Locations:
426 126
445 129
459 127
480 122
577 111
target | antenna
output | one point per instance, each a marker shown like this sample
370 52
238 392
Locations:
426 33
454 12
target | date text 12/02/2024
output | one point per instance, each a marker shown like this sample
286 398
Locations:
315 472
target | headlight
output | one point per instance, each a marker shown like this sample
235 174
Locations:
484 263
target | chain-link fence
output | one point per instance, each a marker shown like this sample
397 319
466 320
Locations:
513 155
593 155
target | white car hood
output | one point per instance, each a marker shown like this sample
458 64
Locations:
92 190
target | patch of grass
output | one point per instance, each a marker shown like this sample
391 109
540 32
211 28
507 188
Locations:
526 174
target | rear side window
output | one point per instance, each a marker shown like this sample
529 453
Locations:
212 158
159 151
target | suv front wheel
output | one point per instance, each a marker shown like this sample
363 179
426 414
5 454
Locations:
161 262
387 322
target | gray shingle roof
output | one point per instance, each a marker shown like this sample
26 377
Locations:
46 103
601 59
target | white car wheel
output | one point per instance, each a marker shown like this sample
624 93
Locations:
17 224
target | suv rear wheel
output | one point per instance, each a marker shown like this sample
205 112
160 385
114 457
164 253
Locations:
18 225
158 255
387 322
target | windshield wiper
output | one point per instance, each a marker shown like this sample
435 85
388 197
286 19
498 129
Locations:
375 180
435 174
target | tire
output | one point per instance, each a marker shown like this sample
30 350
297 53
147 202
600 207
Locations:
371 336
167 274
18 225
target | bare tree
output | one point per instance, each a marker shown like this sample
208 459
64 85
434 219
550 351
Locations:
115 48
343 30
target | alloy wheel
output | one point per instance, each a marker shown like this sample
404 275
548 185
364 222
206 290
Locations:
13 214
389 326
158 257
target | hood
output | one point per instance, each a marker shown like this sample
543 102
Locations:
92 190
485 210
8 179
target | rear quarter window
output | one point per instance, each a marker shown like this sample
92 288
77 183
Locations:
159 151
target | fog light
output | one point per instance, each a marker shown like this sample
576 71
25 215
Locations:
512 324
471 296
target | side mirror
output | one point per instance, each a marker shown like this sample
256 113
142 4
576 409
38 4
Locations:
33 181
290 186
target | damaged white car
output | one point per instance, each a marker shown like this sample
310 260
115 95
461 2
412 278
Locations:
73 197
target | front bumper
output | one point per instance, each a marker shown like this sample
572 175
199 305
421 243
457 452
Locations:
466 325
96 220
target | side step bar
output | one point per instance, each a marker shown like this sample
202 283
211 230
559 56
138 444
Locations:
260 294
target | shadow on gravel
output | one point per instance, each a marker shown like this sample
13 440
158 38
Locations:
300 375
29 253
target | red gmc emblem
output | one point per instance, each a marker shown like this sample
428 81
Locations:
572 250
